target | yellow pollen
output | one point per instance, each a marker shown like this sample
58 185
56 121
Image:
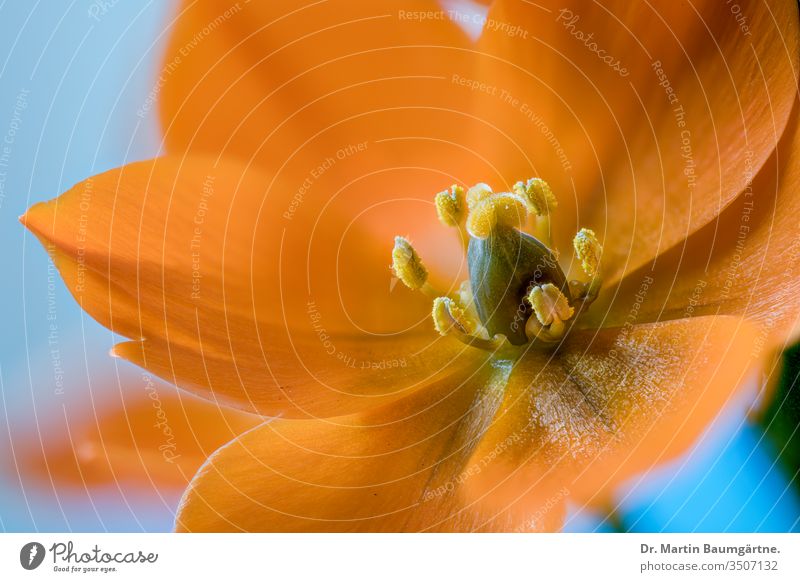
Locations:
588 250
450 206
510 209
407 264
481 219
448 314
478 193
550 305
538 194
506 209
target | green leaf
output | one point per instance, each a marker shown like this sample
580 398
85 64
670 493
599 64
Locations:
781 421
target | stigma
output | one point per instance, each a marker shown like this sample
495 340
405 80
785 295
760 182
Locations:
517 293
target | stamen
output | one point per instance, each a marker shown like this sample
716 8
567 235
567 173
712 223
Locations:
538 194
407 264
588 250
549 304
450 319
551 309
517 291
451 206
447 314
466 300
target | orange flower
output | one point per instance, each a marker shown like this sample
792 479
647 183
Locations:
150 437
249 265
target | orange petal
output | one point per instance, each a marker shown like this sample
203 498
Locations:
289 318
746 263
360 101
357 103
298 376
288 85
650 142
610 404
396 469
150 436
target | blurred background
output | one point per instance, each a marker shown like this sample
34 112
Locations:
73 79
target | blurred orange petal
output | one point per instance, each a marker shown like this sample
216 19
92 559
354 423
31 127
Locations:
151 437
646 119
181 253
394 469
342 103
747 263
287 85
610 404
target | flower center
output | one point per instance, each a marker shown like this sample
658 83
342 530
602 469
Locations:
517 293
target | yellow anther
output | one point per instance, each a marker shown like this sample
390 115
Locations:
538 194
588 250
450 206
482 219
407 265
449 316
550 306
478 193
